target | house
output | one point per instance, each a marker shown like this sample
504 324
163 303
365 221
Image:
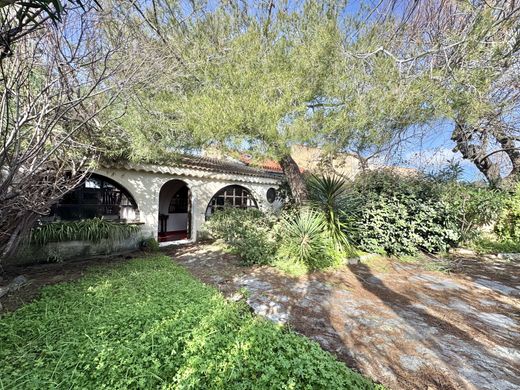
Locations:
171 201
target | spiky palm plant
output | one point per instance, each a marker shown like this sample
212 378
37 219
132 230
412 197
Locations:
330 194
304 239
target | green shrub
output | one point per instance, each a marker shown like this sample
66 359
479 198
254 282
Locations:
304 238
248 232
485 245
94 230
402 215
150 245
148 324
404 224
508 224
472 207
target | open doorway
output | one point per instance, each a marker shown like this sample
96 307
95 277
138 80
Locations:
174 211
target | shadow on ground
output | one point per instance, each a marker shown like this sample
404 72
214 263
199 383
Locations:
403 326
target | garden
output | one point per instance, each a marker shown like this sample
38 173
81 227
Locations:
386 253
147 323
378 212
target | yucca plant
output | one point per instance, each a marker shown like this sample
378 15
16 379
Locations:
330 194
304 239
94 230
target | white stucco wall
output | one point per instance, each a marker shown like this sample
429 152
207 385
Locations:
145 187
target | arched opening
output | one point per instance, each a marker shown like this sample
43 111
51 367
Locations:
96 197
174 211
231 196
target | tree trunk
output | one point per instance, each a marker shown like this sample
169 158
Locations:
510 148
476 153
294 179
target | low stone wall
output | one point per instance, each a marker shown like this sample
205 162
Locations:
73 250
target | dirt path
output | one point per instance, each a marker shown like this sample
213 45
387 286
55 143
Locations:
399 324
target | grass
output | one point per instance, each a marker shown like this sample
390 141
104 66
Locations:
486 245
148 324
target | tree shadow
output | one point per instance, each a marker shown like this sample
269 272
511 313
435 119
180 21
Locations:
416 316
323 307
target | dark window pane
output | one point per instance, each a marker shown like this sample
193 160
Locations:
231 196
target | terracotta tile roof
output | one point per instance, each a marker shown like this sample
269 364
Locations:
230 166
268 165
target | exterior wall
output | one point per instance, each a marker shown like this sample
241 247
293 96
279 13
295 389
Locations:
72 250
315 160
145 187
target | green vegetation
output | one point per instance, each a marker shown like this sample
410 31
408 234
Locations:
249 233
493 245
298 239
150 245
305 239
379 212
508 224
95 230
148 324
401 215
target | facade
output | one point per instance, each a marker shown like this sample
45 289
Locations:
170 202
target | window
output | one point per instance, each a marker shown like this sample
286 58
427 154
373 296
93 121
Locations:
97 196
231 196
179 202
271 195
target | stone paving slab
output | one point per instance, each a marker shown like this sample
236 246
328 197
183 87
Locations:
406 328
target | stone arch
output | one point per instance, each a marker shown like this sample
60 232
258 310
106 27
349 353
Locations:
97 196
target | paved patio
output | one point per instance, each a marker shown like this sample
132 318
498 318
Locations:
398 323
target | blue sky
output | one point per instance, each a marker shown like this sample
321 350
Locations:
433 150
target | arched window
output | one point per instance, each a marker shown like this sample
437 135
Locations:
97 196
179 201
231 196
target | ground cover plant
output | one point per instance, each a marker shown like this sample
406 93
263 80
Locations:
147 323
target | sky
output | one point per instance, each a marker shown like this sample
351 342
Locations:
433 151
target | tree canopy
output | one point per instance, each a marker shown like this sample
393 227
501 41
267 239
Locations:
266 75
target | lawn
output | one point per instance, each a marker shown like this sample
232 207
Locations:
147 323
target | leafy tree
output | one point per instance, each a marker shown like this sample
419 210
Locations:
239 81
463 58
264 76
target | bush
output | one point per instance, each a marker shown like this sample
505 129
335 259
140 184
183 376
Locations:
403 224
473 207
95 230
150 245
330 195
304 238
248 232
401 215
148 324
508 224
